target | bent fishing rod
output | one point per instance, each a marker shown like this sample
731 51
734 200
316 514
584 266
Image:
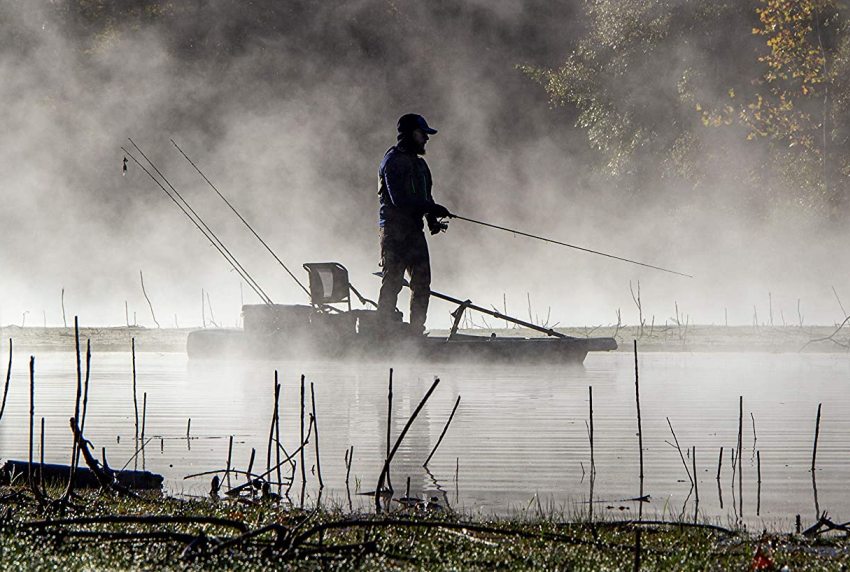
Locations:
558 242
193 216
245 222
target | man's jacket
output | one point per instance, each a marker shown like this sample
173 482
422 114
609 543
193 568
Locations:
404 188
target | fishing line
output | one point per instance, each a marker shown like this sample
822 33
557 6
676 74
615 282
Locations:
544 239
256 289
236 212
264 297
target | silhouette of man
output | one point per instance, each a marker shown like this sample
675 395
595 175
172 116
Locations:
405 197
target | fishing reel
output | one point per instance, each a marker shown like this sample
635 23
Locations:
436 225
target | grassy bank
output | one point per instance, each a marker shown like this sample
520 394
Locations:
107 531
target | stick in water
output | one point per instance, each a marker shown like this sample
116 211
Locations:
69 488
144 420
719 463
389 425
384 471
278 389
678 448
275 392
590 431
758 473
640 431
32 418
443 434
8 378
817 433
740 454
694 461
229 459
135 396
301 453
316 432
41 461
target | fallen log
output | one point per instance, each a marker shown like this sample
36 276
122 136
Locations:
83 477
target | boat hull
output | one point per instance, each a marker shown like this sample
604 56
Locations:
229 344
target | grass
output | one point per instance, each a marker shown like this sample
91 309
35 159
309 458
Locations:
330 538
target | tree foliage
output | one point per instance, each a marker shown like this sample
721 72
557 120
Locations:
686 85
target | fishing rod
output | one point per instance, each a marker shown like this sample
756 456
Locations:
199 223
544 239
241 270
245 222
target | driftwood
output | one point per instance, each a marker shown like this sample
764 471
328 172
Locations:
106 477
824 524
84 477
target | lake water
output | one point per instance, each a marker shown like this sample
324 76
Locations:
518 441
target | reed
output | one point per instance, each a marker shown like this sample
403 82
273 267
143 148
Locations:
383 476
229 459
389 426
85 409
32 419
679 449
590 432
443 433
278 389
316 431
144 423
8 379
135 394
758 489
301 452
41 461
69 488
817 434
741 454
719 462
639 426
695 480
276 394
251 464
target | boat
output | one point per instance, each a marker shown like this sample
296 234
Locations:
325 330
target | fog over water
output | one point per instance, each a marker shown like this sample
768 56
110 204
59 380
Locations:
289 106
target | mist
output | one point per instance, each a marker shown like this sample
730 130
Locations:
289 107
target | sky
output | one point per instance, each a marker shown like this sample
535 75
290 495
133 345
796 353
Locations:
288 107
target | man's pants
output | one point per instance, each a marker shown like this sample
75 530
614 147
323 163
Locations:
405 249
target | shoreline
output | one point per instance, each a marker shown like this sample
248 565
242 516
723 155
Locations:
691 338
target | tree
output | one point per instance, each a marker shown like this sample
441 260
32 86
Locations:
676 90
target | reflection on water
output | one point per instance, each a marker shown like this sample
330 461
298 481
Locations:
519 439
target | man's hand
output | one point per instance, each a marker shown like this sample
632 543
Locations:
434 225
439 211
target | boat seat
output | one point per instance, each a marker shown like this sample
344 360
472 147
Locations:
328 283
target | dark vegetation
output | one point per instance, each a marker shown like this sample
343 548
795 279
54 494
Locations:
152 532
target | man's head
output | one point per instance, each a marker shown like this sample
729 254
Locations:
413 132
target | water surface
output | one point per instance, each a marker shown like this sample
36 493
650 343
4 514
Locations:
519 440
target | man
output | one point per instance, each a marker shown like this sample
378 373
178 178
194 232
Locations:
405 195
